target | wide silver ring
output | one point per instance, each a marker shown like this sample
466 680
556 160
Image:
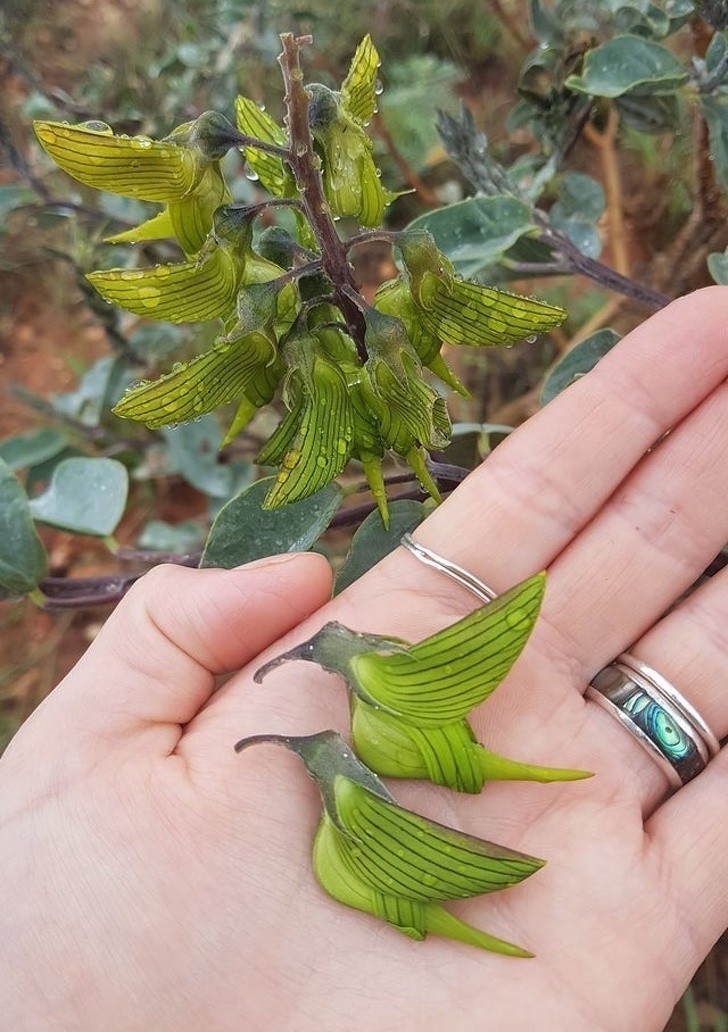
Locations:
654 712
647 705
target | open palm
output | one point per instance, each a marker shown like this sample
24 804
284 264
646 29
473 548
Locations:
155 880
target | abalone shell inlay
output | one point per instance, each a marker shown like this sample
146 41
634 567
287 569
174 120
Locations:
657 723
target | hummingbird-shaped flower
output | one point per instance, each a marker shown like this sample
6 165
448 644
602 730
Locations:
410 703
457 311
351 180
373 855
313 442
195 291
242 366
182 171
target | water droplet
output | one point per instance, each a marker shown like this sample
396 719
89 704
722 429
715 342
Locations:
378 88
516 618
532 339
162 271
252 176
341 446
141 142
150 296
429 879
300 150
97 127
321 462
132 274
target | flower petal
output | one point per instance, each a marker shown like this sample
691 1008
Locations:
359 88
184 292
212 379
403 854
133 167
445 676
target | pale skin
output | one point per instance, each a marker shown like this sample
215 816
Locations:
152 879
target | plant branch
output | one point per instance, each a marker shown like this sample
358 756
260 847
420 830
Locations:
605 143
426 195
510 23
308 180
468 149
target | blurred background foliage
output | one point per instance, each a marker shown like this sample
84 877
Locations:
636 181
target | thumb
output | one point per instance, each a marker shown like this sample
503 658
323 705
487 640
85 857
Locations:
155 660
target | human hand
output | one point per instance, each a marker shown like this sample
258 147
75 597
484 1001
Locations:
154 880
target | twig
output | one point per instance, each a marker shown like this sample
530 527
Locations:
308 180
605 144
426 195
468 149
510 23
597 321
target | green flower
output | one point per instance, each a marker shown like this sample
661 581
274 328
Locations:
243 366
456 311
375 856
351 179
193 291
394 298
313 442
410 702
181 171
408 414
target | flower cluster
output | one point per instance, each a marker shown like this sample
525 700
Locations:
351 376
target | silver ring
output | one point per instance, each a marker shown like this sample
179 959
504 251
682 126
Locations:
450 569
647 705
654 712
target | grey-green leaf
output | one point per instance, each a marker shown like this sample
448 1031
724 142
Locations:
85 496
194 450
718 266
579 360
715 109
23 562
372 542
628 64
243 530
160 536
474 233
25 450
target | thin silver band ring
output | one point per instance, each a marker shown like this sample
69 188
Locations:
647 705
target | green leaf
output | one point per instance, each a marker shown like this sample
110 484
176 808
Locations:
650 114
581 203
99 389
153 341
628 64
243 530
718 266
194 450
13 196
474 233
579 360
160 536
85 496
23 562
25 450
371 543
715 109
